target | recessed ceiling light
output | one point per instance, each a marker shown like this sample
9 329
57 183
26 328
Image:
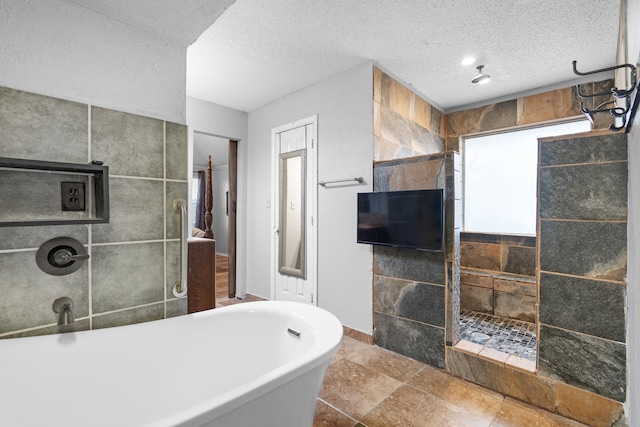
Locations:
468 60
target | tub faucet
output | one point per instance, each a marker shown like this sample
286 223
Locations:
64 306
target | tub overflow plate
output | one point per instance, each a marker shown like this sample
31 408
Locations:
60 256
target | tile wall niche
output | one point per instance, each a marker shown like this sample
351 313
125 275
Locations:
134 259
399 116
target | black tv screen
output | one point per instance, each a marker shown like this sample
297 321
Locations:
408 219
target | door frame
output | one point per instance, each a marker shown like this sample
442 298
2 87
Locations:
311 204
233 158
232 205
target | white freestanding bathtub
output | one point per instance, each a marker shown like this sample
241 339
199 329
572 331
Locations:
252 364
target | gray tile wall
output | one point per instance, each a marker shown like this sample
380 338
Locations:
412 288
135 257
582 214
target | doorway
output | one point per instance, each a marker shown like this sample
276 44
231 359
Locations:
224 160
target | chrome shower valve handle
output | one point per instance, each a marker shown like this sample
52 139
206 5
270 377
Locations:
65 256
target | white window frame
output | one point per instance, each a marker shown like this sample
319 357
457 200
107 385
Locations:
193 198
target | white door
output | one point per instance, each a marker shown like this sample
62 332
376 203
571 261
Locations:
294 195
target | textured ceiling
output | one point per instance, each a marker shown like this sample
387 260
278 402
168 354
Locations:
179 21
259 51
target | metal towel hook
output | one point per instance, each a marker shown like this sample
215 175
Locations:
614 90
624 102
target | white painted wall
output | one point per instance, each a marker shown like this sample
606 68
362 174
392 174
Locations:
633 291
66 51
344 105
217 120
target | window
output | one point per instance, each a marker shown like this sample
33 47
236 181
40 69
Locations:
194 197
500 178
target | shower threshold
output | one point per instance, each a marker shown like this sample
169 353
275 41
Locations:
510 341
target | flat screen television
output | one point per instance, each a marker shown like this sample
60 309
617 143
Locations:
406 219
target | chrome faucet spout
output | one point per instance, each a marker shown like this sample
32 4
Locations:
66 316
64 306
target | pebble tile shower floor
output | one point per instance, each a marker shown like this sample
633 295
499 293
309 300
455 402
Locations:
510 336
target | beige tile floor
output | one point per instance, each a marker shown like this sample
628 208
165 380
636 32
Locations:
369 386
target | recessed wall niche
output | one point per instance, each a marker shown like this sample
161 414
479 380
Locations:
39 192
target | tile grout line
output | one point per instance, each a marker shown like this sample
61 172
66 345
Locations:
90 227
417 389
401 382
338 409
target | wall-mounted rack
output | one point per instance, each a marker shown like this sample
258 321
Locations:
358 179
42 204
624 103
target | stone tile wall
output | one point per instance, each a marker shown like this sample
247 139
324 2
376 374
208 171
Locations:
547 390
513 300
582 214
582 263
498 275
528 110
411 287
134 258
416 293
548 393
405 125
